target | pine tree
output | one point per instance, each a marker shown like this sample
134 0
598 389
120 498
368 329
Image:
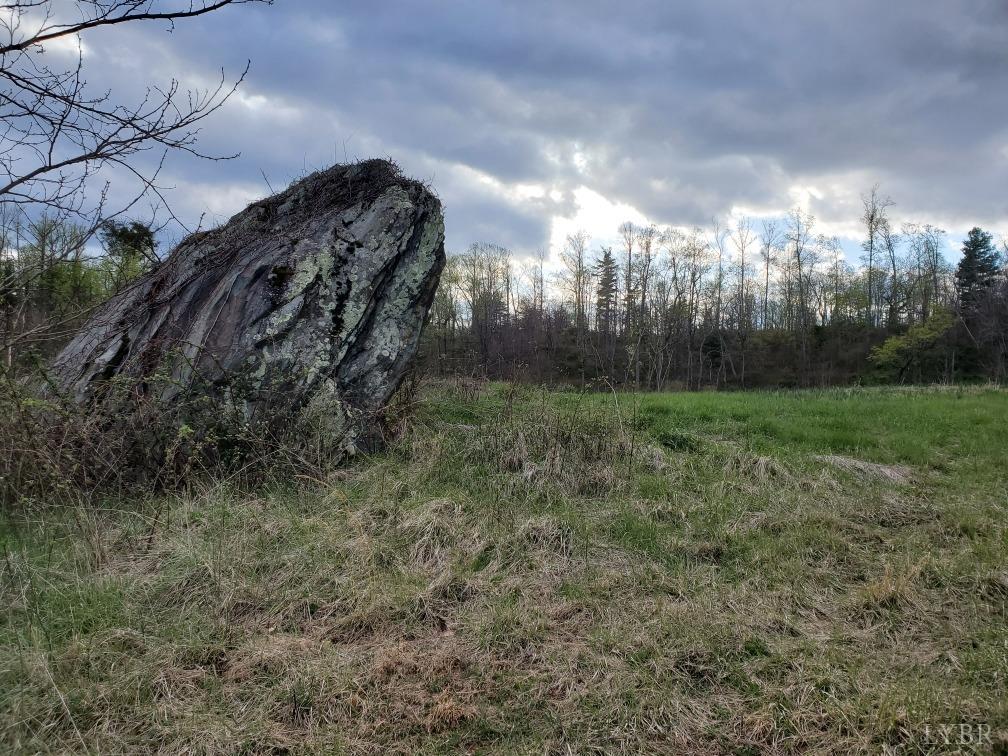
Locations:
978 268
605 292
130 249
606 315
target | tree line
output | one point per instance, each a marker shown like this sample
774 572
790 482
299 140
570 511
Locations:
746 304
751 304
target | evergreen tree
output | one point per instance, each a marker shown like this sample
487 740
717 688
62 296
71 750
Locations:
978 268
605 292
607 307
130 249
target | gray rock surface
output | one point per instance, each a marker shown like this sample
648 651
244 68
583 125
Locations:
309 300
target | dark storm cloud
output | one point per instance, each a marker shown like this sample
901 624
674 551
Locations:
682 111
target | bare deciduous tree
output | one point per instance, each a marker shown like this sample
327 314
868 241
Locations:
769 239
61 137
742 236
875 219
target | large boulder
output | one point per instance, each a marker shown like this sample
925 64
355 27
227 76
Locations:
310 300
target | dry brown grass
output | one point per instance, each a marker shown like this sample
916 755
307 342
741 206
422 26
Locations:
870 470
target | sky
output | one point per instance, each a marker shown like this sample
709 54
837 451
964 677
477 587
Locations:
532 120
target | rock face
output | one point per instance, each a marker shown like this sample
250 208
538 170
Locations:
312 298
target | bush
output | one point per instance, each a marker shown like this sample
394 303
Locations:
918 354
126 442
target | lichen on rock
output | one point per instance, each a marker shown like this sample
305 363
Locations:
308 301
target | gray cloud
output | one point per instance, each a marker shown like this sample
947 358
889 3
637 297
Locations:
682 111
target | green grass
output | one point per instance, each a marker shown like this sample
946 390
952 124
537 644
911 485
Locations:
523 571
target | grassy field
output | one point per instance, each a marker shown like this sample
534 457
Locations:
528 572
